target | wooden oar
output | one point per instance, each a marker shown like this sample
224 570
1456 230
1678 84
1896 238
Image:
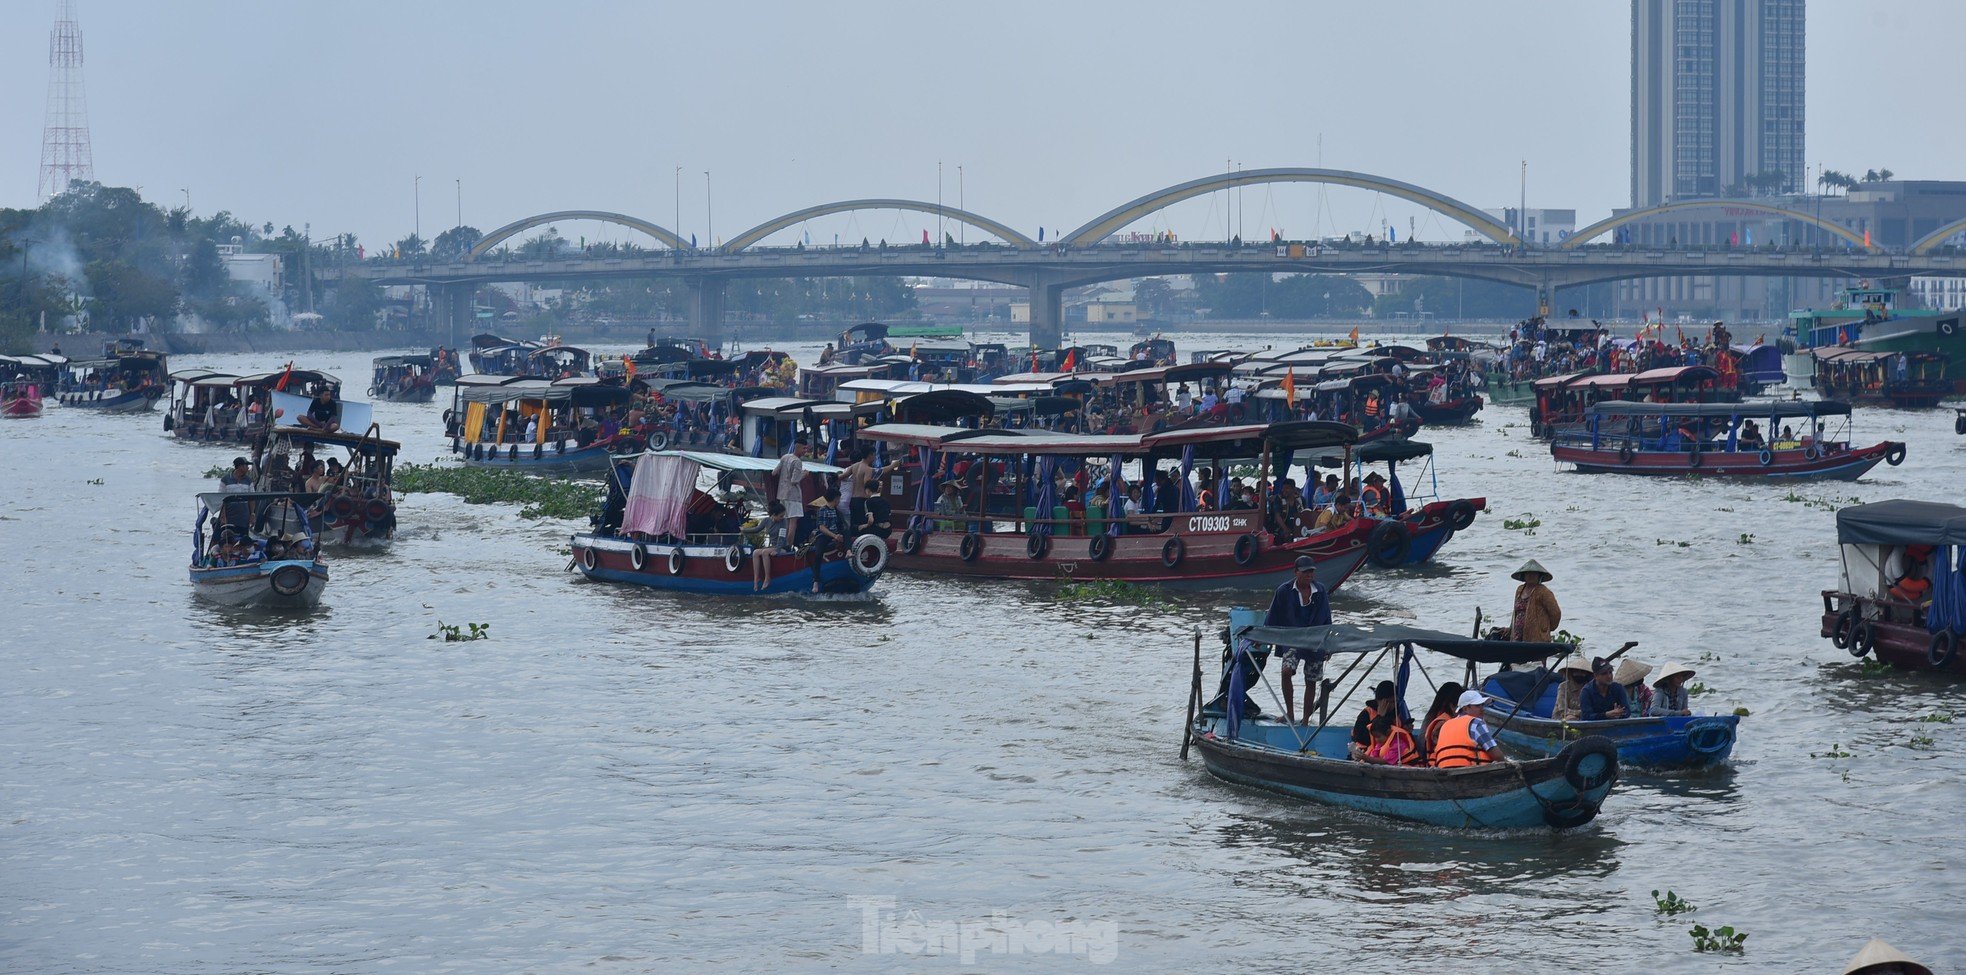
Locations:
1537 691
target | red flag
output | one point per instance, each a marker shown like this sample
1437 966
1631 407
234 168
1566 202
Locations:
924 236
281 386
1071 363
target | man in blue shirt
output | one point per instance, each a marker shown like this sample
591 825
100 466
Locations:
1301 602
1603 699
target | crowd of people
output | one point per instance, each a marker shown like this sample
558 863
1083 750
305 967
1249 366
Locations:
1536 350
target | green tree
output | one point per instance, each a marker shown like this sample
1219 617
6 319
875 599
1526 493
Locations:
123 296
453 244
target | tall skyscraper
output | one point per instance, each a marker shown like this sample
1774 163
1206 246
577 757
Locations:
1716 98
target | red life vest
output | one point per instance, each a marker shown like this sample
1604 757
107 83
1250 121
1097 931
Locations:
1372 497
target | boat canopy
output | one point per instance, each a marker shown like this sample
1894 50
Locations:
384 361
1551 382
864 332
302 376
1310 434
738 463
1675 374
785 404
1195 371
1605 380
1382 452
339 438
943 405
690 391
1901 522
1775 410
1350 638
486 340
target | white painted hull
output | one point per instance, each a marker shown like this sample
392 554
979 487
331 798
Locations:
255 585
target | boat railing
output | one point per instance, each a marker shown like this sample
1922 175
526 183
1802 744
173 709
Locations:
1874 608
1151 523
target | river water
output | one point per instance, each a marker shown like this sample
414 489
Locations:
626 781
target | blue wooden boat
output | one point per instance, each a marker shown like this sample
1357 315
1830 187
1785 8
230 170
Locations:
1248 748
278 565
488 415
128 379
1676 742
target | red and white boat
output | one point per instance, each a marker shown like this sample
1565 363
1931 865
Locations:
20 399
1013 524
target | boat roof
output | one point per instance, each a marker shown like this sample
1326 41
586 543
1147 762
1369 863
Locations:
739 463
1675 373
930 435
1365 638
1773 410
691 391
1605 379
1382 451
339 438
298 376
1549 381
1901 522
946 404
199 375
40 359
418 359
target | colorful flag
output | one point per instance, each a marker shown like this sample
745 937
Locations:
1290 389
281 386
1071 363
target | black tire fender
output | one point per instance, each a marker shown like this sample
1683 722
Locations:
1246 548
971 547
1839 632
1388 543
639 556
1943 648
290 580
1626 454
1863 639
1100 548
1766 457
1590 763
1895 454
1460 515
588 559
1036 545
676 560
1172 551
911 541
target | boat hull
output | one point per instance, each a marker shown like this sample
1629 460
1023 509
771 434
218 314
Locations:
1453 412
418 394
1502 795
574 460
1429 529
1505 392
1659 743
706 569
137 401
20 409
289 584
1207 558
1906 646
1836 465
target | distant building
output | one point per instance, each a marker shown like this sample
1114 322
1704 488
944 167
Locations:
1716 98
1543 227
264 277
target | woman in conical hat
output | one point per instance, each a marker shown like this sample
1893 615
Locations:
1536 611
1631 674
1878 958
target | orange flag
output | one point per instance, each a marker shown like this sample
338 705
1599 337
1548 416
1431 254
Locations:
1290 389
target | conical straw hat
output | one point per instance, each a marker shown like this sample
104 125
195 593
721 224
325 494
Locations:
1877 954
1532 566
1630 670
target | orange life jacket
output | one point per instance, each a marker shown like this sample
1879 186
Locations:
1372 404
1409 753
1455 747
1912 590
1430 736
1372 498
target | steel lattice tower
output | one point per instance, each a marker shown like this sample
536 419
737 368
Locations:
65 152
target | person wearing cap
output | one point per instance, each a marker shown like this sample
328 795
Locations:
1466 739
1878 958
1576 673
1603 699
239 478
1536 612
1302 601
1669 698
1631 676
1385 702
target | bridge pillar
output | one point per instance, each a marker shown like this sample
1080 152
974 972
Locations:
1047 312
706 308
457 311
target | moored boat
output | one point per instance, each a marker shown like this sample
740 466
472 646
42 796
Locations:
987 503
261 551
1902 594
1707 439
1241 744
662 529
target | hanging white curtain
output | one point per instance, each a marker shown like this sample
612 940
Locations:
658 495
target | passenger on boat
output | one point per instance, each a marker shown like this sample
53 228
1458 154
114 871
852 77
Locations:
1536 613
1466 739
1914 588
1446 700
828 532
1338 515
1576 673
1878 958
788 480
877 518
1184 399
1750 437
859 480
1391 744
1669 696
771 541
239 478
1603 699
1303 601
1373 498
1326 492
1631 676
320 414
1385 701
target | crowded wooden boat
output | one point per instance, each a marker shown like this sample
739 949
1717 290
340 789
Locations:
1034 504
260 551
562 426
216 407
127 379
1721 440
1900 380
1651 722
1453 777
1413 519
355 506
1901 594
663 527
404 378
20 399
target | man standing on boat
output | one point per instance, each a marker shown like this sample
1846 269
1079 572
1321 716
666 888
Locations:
1536 612
1301 602
787 480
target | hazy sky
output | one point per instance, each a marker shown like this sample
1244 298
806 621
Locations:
1056 111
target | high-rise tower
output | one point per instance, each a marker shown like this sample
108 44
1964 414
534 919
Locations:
1716 98
65 152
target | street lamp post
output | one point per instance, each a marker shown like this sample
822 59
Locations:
418 225
709 215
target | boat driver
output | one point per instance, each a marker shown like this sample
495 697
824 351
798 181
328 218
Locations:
1302 601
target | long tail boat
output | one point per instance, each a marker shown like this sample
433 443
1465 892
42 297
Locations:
1013 523
1241 744
658 531
129 379
1902 595
1705 439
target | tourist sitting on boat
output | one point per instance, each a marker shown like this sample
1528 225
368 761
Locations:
1326 492
323 414
1631 676
1446 700
771 540
828 530
1915 587
1385 701
1750 437
1669 696
1373 499
1302 601
1576 672
1336 516
1391 744
877 518
1603 699
1466 739
1536 613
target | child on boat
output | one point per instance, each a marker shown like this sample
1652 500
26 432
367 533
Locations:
773 532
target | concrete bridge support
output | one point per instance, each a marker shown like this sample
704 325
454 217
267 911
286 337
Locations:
450 311
706 308
1047 311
